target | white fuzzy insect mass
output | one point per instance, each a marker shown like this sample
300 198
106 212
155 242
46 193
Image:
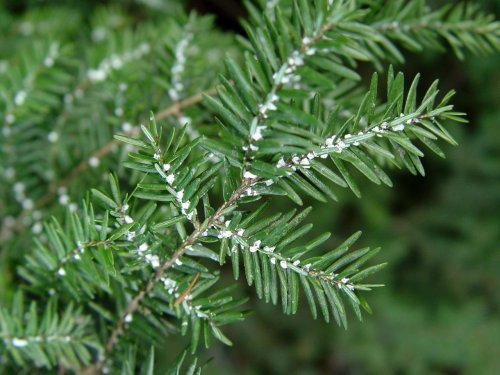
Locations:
28 204
281 163
130 236
19 343
119 111
269 249
48 62
53 137
94 162
268 105
20 97
170 179
225 234
37 228
18 187
334 144
153 260
178 68
64 199
179 195
10 118
96 75
255 246
249 175
115 62
127 127
258 133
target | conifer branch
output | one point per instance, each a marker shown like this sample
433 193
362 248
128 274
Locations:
463 26
134 304
26 334
173 110
281 76
294 119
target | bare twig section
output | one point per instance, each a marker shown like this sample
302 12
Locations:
184 294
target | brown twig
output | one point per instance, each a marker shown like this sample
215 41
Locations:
188 290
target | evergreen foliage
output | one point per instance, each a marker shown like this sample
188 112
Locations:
132 213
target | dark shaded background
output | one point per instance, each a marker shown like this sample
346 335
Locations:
440 310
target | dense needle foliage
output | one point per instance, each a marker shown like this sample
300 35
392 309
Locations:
141 156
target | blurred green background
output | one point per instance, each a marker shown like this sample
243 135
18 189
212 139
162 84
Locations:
440 310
